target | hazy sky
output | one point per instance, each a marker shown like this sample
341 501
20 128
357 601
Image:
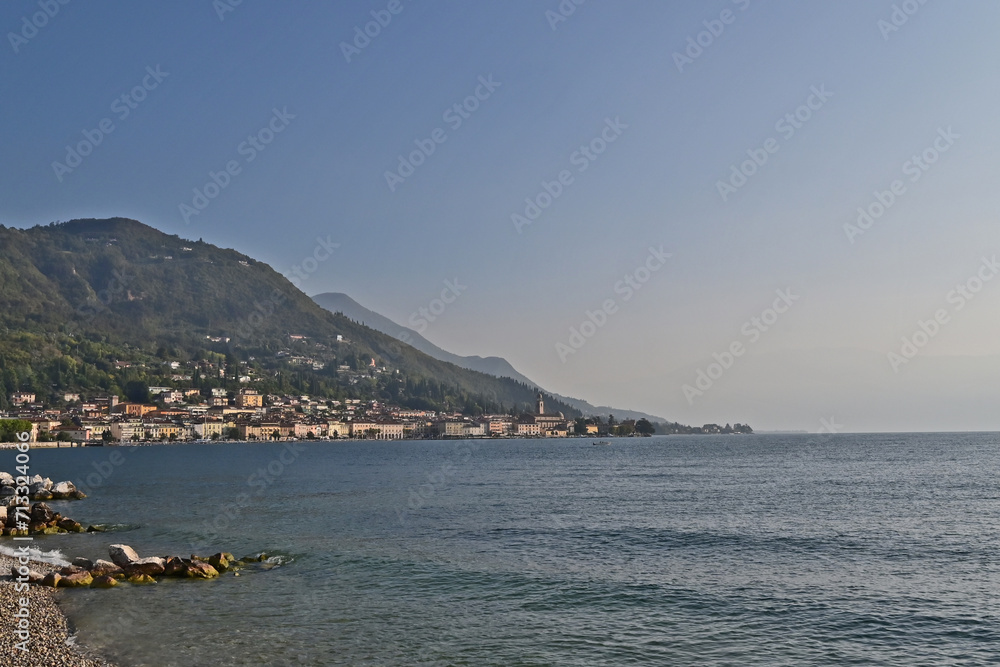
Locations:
646 110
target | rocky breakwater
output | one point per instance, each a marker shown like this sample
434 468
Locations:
126 566
41 520
38 488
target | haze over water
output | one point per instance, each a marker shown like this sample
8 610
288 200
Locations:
753 550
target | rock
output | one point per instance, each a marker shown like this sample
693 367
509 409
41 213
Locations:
122 555
221 561
85 563
78 495
141 579
51 579
95 529
174 566
35 577
35 487
6 479
37 479
200 570
106 581
41 513
81 579
259 558
152 566
3 514
63 491
70 569
8 491
104 568
42 495
69 525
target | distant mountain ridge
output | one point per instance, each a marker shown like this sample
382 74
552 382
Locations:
337 302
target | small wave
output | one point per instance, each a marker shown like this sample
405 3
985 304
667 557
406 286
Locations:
279 560
54 557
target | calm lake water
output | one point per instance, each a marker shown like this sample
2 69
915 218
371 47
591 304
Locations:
684 550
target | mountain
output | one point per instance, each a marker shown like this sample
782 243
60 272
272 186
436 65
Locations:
99 304
336 302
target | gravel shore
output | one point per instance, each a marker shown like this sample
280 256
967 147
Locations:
49 628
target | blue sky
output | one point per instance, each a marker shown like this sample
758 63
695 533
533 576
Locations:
888 94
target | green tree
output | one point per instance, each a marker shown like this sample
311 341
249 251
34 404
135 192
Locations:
137 391
9 428
644 427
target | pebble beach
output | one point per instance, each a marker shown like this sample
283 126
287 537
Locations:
50 644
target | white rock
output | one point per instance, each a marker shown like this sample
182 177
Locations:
63 487
122 555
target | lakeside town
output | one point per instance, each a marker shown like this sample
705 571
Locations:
184 415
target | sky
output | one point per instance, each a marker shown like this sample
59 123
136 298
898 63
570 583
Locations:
777 213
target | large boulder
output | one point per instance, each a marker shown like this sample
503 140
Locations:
200 570
85 563
69 525
153 566
41 513
81 579
106 568
174 566
122 555
221 561
51 579
63 491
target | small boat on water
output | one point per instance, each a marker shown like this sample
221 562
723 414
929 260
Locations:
602 442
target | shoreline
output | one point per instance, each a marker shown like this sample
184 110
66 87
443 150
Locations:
50 627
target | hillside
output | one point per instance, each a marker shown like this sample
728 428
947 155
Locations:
336 302
98 303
